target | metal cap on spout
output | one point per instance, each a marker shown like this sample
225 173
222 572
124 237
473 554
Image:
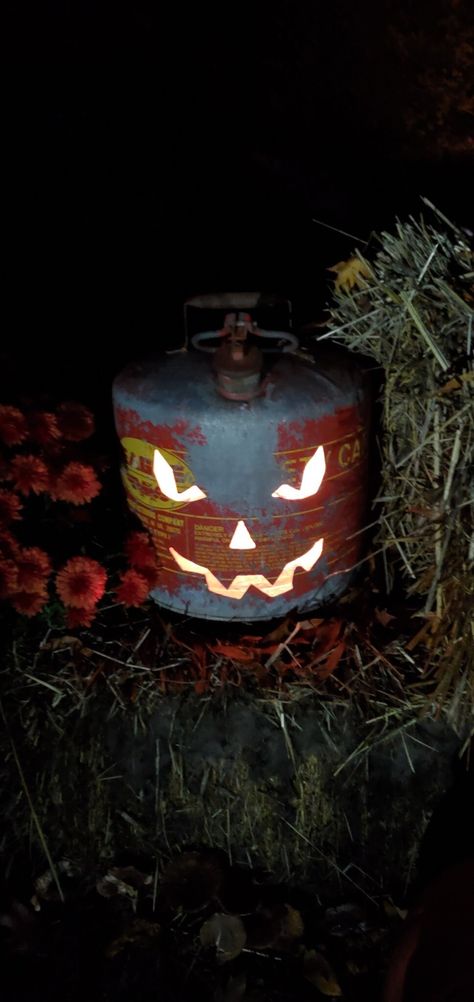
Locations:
238 364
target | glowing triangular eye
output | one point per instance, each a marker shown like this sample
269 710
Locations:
166 482
311 480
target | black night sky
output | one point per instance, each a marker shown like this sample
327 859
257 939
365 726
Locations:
155 153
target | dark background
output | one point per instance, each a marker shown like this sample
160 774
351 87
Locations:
152 154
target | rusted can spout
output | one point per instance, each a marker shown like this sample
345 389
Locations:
238 364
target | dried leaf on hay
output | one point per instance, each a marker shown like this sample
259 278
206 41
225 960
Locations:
351 274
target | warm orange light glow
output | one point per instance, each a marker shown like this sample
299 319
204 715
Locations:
166 482
241 540
311 480
242 582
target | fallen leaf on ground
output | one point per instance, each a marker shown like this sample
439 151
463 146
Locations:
383 617
281 632
333 659
125 881
45 885
311 624
274 927
140 933
226 933
192 880
130 875
233 652
319 972
292 926
62 644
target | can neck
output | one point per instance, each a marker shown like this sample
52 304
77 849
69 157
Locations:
238 360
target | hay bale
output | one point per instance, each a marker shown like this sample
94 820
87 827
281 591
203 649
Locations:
409 305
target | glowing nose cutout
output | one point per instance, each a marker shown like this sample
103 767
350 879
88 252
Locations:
241 540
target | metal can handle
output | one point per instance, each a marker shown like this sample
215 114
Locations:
291 342
236 302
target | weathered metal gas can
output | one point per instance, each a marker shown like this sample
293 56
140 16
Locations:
249 471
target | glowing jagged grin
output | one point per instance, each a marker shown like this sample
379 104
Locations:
242 582
311 480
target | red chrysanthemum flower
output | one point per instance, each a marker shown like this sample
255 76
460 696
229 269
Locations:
29 473
9 546
8 578
10 507
77 484
80 617
34 567
81 582
43 427
4 469
29 603
133 588
139 550
76 422
151 576
13 426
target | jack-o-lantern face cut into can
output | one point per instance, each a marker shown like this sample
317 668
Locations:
253 489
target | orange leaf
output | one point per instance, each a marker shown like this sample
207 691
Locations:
422 633
319 973
456 383
331 661
200 655
383 617
265 645
311 624
328 634
350 273
232 652
282 632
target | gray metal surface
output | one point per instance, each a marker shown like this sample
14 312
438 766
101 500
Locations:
234 452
